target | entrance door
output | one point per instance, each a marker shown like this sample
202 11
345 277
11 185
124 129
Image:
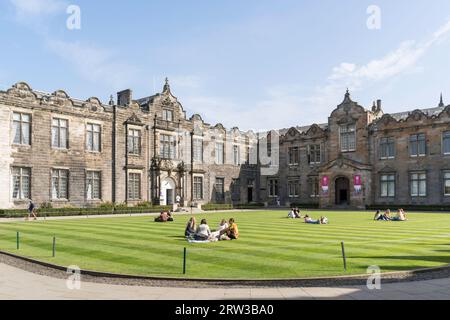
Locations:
342 191
250 195
167 192
169 197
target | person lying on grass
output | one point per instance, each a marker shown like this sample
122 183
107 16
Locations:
164 217
383 217
322 220
191 228
203 231
401 216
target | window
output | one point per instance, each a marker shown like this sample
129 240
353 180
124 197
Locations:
417 145
59 133
314 187
198 150
134 142
219 153
388 185
93 136
134 186
387 148
314 154
167 115
273 188
198 188
447 183
167 146
60 184
236 156
21 183
21 128
220 189
294 188
293 156
93 185
446 143
348 138
418 184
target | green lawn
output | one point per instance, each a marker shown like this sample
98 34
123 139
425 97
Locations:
270 246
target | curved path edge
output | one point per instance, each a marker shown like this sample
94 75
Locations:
57 271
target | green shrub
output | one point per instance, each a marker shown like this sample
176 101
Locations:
216 206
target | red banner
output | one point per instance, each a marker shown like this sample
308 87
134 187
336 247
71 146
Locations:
325 182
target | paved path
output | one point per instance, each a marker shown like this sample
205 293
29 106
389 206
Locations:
22 285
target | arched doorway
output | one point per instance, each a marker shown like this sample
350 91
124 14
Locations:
342 186
167 192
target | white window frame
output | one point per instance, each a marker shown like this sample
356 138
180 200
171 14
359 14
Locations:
273 187
345 132
294 185
91 133
91 176
389 179
416 178
444 137
446 179
131 192
220 153
201 190
57 173
21 176
22 123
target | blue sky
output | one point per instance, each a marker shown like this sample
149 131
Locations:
253 64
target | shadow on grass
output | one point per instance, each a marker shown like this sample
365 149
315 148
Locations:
440 259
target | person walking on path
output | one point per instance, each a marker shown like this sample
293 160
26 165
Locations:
31 211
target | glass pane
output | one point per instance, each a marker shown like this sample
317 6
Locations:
423 188
26 118
89 189
25 133
16 187
55 188
63 138
89 141
16 133
55 137
25 186
391 188
16 116
96 142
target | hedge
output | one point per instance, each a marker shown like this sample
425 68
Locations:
66 212
216 206
410 207
305 205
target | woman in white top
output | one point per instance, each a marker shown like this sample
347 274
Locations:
203 231
221 230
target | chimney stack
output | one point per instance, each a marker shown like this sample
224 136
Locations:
124 97
378 105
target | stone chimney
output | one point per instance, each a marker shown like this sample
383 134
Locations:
379 105
124 97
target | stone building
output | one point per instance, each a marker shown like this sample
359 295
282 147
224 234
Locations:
365 157
70 152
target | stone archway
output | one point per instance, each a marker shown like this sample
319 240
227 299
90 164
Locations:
342 189
167 196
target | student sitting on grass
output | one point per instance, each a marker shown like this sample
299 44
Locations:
223 226
232 233
294 214
401 216
190 228
203 231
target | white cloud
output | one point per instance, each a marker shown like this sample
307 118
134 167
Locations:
288 105
27 9
97 65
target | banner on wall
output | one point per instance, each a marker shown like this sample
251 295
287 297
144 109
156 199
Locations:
325 181
357 182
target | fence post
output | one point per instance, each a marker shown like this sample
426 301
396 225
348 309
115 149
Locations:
54 247
343 255
18 240
184 261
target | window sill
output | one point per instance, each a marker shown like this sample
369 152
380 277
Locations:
59 200
389 158
95 153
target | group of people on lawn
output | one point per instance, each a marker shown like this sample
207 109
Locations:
225 231
386 216
296 214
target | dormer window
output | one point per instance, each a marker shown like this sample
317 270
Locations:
167 115
348 138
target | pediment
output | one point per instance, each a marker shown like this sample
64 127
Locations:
134 120
342 163
388 169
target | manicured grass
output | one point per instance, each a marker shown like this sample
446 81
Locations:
270 246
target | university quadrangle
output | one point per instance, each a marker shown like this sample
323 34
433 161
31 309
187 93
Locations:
68 152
